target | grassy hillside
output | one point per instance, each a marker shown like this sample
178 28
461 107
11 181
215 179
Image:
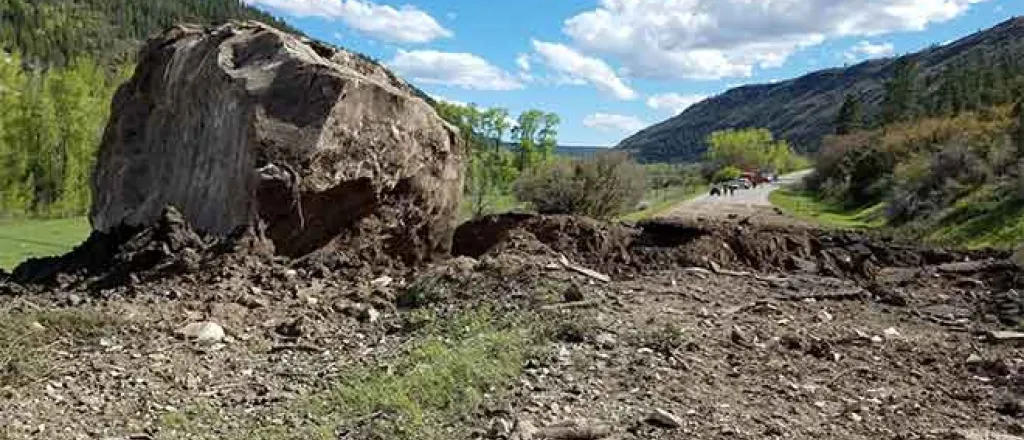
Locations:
978 71
952 180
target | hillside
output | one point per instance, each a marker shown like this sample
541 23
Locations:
803 110
55 31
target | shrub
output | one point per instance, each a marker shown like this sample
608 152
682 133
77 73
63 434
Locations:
726 174
604 186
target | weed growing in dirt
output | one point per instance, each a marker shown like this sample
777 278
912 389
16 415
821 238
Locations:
27 340
421 395
665 339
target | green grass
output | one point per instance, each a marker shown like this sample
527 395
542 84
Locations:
662 201
421 395
27 338
494 204
981 220
806 206
24 239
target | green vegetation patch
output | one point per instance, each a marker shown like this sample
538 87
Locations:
804 205
661 202
981 221
27 340
421 395
24 239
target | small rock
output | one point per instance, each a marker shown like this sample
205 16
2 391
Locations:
203 332
500 428
877 339
974 359
370 315
855 417
36 326
605 340
664 419
291 329
573 294
891 333
383 281
291 274
524 430
74 300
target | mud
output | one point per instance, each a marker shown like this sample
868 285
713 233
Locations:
665 244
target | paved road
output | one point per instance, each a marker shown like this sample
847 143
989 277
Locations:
745 203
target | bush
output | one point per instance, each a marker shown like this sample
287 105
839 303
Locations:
601 187
726 174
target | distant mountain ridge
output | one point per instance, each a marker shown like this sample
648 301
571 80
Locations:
803 110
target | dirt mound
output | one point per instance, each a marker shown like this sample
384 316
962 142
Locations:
169 246
666 244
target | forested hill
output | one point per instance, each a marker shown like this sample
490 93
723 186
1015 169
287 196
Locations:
983 69
55 31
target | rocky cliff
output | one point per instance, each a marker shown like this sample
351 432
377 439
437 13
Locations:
242 124
803 110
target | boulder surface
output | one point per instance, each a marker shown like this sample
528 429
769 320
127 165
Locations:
244 125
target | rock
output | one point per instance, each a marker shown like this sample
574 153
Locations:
983 434
383 281
1005 336
664 419
891 333
974 359
294 328
37 327
524 431
500 428
243 123
605 340
581 429
573 294
74 300
370 315
203 332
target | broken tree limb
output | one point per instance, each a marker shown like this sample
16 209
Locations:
572 305
1005 336
584 271
830 296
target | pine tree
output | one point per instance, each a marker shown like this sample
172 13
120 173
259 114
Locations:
850 117
901 93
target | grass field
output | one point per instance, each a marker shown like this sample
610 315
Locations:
981 220
660 202
23 239
805 206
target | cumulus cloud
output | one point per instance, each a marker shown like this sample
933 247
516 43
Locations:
405 24
674 103
866 49
574 67
711 39
463 70
614 123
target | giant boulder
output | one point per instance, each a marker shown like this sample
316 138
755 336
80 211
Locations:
242 123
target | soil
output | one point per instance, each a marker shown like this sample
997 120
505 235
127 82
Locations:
727 330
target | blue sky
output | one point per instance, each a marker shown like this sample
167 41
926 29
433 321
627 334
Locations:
611 67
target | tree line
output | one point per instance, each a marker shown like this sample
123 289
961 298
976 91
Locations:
975 81
51 122
58 32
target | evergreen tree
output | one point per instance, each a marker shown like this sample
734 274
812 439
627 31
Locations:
850 117
901 93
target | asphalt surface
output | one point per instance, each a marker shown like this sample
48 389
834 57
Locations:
744 204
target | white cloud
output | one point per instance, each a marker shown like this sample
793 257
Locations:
405 24
523 61
711 39
450 101
575 67
866 49
463 70
614 123
673 102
